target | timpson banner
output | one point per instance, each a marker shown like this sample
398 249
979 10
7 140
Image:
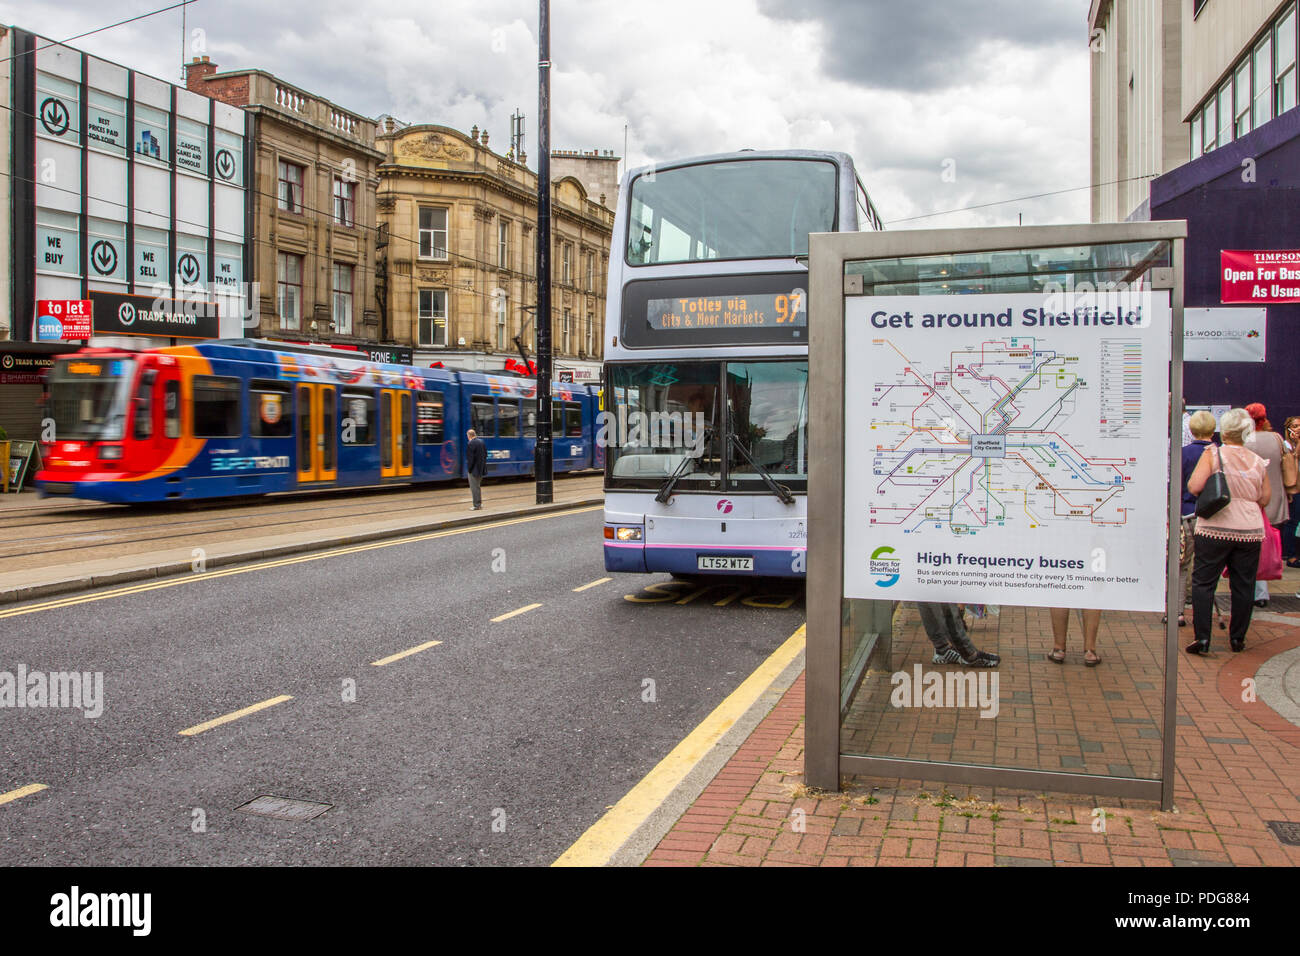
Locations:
117 313
1259 276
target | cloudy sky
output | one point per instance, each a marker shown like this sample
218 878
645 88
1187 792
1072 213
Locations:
944 104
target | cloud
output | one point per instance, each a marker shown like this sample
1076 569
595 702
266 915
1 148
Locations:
1003 94
926 45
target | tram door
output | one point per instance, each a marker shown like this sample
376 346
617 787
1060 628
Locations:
395 433
317 433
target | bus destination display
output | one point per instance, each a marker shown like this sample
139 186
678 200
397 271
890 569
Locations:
773 310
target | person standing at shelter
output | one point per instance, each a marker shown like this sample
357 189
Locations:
1232 536
1201 427
475 467
947 632
1290 543
1267 444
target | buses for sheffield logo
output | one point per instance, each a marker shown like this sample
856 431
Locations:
884 567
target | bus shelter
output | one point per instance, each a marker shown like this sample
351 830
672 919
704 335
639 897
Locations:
992 412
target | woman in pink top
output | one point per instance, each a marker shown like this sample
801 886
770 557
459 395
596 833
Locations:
1232 536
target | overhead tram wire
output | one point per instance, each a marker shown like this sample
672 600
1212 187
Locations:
1003 202
79 36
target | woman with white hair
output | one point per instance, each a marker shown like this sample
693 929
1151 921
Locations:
1232 536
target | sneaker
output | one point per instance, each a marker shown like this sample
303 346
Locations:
948 655
977 658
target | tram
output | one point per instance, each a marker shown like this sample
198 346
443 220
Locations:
236 417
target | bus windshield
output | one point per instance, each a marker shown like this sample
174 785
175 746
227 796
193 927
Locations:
709 211
88 398
709 425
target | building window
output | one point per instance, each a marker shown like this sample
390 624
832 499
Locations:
1225 112
568 322
590 334
566 272
1263 88
501 305
433 317
1211 126
289 289
291 180
591 272
342 299
1196 135
433 233
150 139
1285 71
1241 116
503 245
345 202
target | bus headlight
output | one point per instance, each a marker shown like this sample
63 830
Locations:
110 452
628 534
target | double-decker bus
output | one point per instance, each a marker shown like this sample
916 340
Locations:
706 359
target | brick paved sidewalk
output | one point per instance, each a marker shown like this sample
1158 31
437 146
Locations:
1238 767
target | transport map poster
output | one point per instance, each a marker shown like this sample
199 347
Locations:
1008 449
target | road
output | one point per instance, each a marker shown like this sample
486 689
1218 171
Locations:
500 744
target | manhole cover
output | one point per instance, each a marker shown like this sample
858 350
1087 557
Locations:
282 808
1287 832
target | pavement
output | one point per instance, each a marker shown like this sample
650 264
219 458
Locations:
1237 767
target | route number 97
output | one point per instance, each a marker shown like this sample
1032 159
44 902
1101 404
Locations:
788 307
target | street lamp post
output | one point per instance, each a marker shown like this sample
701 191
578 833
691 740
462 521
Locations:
542 459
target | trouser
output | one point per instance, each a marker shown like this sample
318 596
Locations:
1186 561
1241 558
475 486
1290 544
943 626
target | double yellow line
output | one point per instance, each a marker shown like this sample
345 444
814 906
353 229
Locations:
54 605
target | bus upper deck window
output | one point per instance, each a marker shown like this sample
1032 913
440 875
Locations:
172 409
143 410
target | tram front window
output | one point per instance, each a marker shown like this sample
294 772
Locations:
88 398
664 424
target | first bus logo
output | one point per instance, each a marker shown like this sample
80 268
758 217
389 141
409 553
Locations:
884 566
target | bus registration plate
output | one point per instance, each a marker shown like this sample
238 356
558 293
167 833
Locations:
708 562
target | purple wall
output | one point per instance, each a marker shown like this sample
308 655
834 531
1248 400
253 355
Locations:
1223 212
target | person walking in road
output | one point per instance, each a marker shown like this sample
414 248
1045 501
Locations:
475 467
1268 445
1232 536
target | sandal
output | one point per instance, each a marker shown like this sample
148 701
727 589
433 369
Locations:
1091 662
1057 655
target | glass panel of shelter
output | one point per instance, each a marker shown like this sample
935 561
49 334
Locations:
1062 717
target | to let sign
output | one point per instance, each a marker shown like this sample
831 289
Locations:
62 320
1260 276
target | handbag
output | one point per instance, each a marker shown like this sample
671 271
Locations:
1270 554
1214 497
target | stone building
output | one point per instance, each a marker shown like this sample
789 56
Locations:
313 226
457 273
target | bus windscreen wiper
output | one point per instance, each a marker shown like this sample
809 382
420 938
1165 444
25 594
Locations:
666 489
778 489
